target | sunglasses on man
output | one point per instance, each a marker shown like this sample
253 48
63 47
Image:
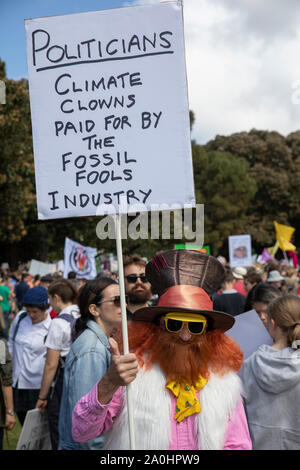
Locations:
175 322
116 300
132 278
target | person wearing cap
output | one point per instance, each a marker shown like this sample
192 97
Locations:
28 350
183 372
275 279
239 272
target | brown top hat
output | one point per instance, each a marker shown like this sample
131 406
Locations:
184 281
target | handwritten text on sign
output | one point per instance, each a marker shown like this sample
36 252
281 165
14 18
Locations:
109 110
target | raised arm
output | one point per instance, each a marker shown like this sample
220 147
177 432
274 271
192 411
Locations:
94 413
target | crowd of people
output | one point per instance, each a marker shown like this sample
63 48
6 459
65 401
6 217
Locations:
61 351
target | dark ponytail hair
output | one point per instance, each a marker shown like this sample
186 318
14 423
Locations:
90 293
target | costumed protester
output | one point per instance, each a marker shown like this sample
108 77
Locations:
271 380
28 350
89 356
185 386
63 298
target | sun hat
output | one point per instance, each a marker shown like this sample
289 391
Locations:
184 281
239 272
37 295
275 276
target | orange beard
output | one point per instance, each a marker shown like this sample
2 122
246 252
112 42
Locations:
183 361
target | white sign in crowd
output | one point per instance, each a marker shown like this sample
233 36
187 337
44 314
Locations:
109 109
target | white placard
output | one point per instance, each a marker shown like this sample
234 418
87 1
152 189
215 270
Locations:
110 113
240 250
35 434
38 267
249 332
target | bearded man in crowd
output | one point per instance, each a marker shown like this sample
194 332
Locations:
137 286
183 371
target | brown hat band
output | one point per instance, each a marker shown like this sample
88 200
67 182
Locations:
185 296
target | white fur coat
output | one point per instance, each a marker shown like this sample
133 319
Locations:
152 413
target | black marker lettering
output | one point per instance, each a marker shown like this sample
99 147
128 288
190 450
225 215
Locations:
61 53
34 50
63 109
88 43
146 194
134 42
96 158
108 46
84 199
54 206
57 83
108 196
95 201
64 160
163 39
67 199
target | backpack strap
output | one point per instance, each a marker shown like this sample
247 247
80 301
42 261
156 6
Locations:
68 317
21 317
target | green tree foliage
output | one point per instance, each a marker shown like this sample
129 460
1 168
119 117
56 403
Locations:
16 161
274 163
224 187
245 180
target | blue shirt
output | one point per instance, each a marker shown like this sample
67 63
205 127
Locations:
86 363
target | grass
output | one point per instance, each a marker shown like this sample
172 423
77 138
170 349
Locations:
10 439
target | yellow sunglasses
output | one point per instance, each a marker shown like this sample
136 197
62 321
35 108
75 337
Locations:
195 323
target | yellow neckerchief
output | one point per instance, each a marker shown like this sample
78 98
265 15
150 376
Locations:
187 401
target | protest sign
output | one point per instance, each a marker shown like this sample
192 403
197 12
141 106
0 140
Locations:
79 259
249 332
38 267
109 109
240 250
204 248
35 434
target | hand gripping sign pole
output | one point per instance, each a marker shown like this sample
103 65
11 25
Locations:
124 324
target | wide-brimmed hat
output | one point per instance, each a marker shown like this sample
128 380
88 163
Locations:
275 276
184 281
239 272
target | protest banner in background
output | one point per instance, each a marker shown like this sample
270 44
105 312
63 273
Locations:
204 248
109 109
35 434
79 259
38 267
283 236
240 250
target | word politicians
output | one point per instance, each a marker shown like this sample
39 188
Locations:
93 49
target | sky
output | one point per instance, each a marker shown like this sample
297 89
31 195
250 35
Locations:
242 58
